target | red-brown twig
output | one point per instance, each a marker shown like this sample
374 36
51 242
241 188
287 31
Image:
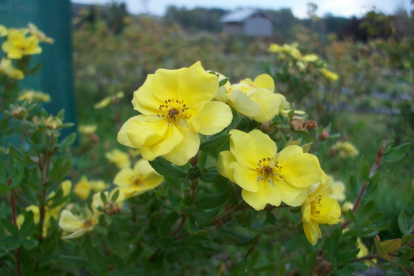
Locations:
13 207
180 226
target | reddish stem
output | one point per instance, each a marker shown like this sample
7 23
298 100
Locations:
183 219
13 207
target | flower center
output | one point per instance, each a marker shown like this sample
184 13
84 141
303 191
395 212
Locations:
315 205
135 180
88 223
269 170
173 111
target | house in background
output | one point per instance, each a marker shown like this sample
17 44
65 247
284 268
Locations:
249 22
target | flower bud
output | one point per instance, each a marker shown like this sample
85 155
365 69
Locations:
19 112
297 123
111 208
324 135
53 123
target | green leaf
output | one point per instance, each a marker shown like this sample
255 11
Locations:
406 239
223 82
17 179
210 175
4 189
74 260
215 142
211 201
402 223
271 218
30 243
103 196
353 185
363 165
28 226
9 227
16 153
382 226
100 229
68 141
166 169
167 222
193 229
228 239
115 196
60 170
396 153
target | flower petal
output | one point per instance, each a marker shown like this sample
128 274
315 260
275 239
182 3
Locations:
265 147
171 139
69 222
164 84
245 178
212 119
301 170
269 105
223 162
123 177
292 196
195 85
265 194
244 149
144 99
76 234
288 151
243 104
143 168
186 149
153 182
265 81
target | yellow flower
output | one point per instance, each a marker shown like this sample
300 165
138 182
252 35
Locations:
347 206
139 180
87 129
319 208
265 175
176 107
253 99
329 75
18 45
309 58
3 31
98 185
363 251
49 212
39 34
345 149
336 189
275 48
7 68
34 96
119 158
82 188
77 224
106 101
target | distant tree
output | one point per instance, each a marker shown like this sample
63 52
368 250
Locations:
114 16
195 19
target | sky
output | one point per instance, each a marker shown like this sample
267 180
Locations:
344 8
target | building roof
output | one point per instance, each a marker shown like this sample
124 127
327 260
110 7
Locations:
241 15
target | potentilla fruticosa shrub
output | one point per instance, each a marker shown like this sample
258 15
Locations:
224 185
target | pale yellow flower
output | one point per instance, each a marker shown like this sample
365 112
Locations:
82 188
76 224
265 175
98 185
3 31
347 206
139 180
106 101
176 107
7 68
363 251
119 158
336 188
345 149
18 45
34 96
329 75
39 34
87 129
319 208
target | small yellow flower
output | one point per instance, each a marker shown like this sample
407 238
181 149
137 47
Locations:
87 129
119 158
18 45
319 208
82 188
347 206
309 58
3 31
329 75
275 48
345 149
336 188
77 224
106 101
98 185
265 175
363 251
34 96
176 106
7 68
39 34
139 180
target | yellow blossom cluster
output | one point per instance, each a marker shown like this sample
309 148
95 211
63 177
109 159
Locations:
119 158
30 95
345 149
7 68
84 187
291 52
87 129
108 100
